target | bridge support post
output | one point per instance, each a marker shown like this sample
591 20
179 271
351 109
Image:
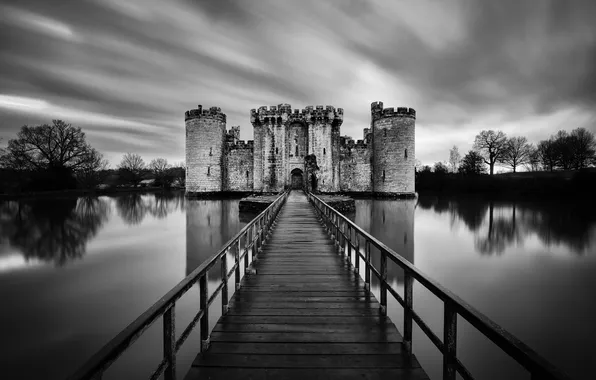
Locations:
237 262
349 245
408 300
204 297
169 342
367 265
449 341
357 254
224 289
383 285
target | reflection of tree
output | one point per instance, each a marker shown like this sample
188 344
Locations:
501 224
133 207
53 230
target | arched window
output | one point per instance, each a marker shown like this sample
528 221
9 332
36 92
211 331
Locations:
383 175
211 151
406 154
296 150
324 151
276 150
208 170
247 174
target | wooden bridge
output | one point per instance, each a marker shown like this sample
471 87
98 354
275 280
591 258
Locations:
303 311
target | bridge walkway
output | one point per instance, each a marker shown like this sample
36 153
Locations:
303 315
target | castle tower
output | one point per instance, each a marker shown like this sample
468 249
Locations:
205 149
393 139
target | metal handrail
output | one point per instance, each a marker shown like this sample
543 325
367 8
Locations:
254 233
342 229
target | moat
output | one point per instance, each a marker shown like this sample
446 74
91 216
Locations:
75 271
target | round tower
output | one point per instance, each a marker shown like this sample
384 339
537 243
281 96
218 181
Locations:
393 139
205 148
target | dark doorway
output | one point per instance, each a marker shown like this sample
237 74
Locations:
297 179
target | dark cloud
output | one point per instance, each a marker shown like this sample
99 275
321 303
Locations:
128 70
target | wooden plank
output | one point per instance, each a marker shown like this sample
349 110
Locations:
302 361
354 337
307 348
289 319
309 373
304 328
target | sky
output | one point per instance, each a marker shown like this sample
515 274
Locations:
126 71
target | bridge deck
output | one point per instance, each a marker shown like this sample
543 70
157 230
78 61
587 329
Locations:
304 315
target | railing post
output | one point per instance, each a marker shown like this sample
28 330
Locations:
383 286
357 253
449 341
169 342
237 261
408 300
224 279
349 244
367 264
247 242
204 297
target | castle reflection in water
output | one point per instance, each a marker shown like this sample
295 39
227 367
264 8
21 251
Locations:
57 230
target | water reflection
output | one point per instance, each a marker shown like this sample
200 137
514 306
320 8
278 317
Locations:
209 225
54 231
498 225
392 222
134 207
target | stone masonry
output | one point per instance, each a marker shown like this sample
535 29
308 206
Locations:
381 163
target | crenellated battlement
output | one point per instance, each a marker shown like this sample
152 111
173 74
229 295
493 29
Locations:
377 111
213 112
241 144
282 113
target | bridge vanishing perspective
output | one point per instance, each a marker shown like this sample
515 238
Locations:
301 310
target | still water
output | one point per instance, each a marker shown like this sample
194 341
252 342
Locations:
75 271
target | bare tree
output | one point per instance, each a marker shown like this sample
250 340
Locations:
533 163
417 165
161 171
547 153
492 147
132 166
58 146
517 153
563 150
583 147
454 158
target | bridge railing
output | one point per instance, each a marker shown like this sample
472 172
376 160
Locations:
348 235
249 239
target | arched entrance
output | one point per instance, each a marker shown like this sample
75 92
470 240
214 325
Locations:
297 178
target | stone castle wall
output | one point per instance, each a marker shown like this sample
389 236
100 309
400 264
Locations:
239 163
393 135
381 163
355 168
205 135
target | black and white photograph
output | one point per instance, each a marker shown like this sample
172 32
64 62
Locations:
297 189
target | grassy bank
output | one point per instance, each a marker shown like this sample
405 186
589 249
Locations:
526 184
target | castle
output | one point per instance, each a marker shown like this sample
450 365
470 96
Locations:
300 149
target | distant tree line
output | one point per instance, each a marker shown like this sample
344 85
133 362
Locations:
562 151
57 157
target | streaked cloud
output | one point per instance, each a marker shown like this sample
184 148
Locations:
127 70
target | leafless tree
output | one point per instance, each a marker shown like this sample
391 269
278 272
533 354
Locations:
132 166
533 163
454 158
548 154
56 146
492 147
583 146
517 152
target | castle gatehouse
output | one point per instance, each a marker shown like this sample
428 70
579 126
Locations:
300 149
